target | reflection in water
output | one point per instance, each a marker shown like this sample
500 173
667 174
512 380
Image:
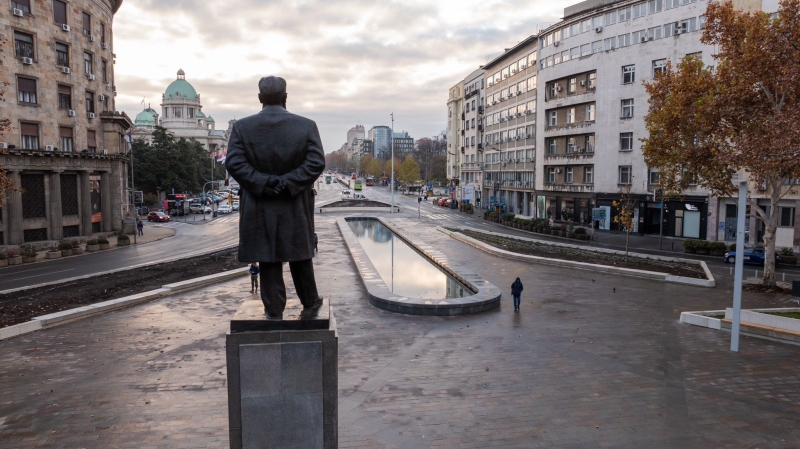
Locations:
405 271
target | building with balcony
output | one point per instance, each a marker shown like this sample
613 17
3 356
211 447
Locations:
474 89
508 157
592 65
455 139
64 144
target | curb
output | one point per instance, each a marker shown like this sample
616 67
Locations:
118 270
68 316
652 275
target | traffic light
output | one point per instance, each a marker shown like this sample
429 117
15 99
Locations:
458 182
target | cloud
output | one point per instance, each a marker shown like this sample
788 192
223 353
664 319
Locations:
345 62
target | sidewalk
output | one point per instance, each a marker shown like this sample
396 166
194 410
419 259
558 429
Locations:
153 233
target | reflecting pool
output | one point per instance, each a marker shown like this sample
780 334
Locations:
405 271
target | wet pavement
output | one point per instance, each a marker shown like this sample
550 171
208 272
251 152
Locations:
591 360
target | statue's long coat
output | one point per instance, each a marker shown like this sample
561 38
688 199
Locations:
275 142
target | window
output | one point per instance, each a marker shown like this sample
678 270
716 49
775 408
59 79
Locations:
702 20
609 43
26 88
551 146
532 83
570 115
521 87
591 80
557 59
473 141
59 11
575 29
589 143
530 130
177 112
102 33
623 40
586 25
624 175
572 146
104 70
627 108
89 101
597 46
552 119
24 5
62 55
105 104
23 45
686 2
549 61
29 136
531 106
565 56
88 63
626 142
64 97
639 36
588 175
586 49
654 6
654 33
589 112
669 29
87 24
505 73
574 53
532 59
659 65
639 10
688 25
597 21
628 74
65 141
624 14
91 141
568 177
572 85
610 18
787 217
653 176
551 175
672 4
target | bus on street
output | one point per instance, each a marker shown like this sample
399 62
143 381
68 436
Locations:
357 185
370 181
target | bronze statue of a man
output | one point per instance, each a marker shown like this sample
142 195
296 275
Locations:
276 156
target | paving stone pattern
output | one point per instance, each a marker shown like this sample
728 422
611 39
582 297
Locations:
581 365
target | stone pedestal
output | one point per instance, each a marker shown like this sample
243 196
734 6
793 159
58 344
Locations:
282 378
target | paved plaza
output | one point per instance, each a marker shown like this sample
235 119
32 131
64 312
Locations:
591 360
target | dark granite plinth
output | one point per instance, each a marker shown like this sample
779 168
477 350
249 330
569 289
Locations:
251 318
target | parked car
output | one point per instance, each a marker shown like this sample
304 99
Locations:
752 256
224 210
199 209
157 216
359 196
235 206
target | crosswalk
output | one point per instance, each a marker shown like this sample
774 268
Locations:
226 219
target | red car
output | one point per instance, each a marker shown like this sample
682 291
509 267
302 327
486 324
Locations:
157 216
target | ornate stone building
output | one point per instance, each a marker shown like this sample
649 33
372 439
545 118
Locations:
64 144
182 115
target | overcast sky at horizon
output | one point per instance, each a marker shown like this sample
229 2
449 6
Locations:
345 62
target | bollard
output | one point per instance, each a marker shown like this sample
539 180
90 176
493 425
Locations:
731 271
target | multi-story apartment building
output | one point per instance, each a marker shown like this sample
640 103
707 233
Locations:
64 144
592 67
455 105
474 88
508 156
403 143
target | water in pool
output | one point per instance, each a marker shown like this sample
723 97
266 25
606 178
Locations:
405 271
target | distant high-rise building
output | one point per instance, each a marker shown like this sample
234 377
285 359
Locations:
381 137
403 143
356 132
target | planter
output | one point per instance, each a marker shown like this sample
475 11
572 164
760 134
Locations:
17 260
104 246
92 248
123 242
3 263
717 252
54 254
76 251
26 259
702 251
788 260
690 250
66 252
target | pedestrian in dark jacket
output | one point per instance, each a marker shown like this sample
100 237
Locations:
516 291
140 227
254 271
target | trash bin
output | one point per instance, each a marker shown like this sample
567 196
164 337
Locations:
214 214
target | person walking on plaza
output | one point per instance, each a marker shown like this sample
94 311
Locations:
516 291
254 277
140 227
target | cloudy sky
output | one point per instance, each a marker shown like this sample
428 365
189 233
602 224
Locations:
345 62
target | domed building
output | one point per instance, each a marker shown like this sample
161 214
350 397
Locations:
182 115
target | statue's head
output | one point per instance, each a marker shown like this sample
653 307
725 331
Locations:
272 91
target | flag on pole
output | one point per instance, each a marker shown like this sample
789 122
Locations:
221 158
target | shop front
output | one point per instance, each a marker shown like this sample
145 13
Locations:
685 218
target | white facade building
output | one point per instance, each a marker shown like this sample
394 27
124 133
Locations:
474 89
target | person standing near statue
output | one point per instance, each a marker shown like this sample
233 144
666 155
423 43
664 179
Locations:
276 156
